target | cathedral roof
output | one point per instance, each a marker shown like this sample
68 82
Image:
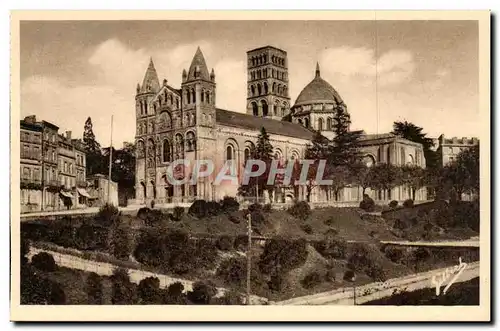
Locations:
150 83
250 122
198 68
318 91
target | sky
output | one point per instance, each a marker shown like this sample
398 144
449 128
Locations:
424 72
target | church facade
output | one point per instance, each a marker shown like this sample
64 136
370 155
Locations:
185 123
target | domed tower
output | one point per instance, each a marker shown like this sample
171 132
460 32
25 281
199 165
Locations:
267 83
316 105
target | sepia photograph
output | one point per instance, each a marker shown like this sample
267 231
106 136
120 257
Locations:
331 162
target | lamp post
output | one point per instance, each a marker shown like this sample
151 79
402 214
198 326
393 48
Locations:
110 160
350 276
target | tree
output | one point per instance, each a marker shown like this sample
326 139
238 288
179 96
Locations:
94 289
462 175
122 168
263 151
415 133
414 177
341 177
122 291
344 148
94 157
385 177
121 241
363 176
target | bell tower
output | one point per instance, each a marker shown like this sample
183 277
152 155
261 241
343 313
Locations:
267 83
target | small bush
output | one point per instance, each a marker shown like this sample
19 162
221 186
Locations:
311 280
349 276
122 291
175 289
255 207
330 275
395 254
258 218
213 208
307 228
202 293
376 273
233 271
57 295
282 255
225 243
408 203
121 242
174 295
44 261
234 218
332 248
143 213
329 221
367 204
149 290
94 289
198 209
267 208
241 243
393 204
229 204
276 283
300 210
331 233
177 214
107 214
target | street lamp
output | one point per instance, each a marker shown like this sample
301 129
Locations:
350 276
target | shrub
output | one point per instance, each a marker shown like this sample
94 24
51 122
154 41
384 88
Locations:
330 275
276 283
234 217
94 289
331 233
395 254
57 295
393 204
282 255
307 228
44 261
107 214
329 221
91 237
213 208
225 243
258 218
174 295
233 270
408 203
177 214
198 208
367 204
202 293
149 290
175 289
349 276
241 243
154 217
122 291
359 258
300 210
376 273
311 280
229 204
143 213
332 248
267 208
255 207
121 242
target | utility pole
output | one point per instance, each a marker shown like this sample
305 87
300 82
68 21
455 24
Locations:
110 160
249 258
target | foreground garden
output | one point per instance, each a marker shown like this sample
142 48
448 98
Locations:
301 251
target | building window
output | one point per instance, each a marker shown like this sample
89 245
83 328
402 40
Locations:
403 157
166 151
329 124
190 142
320 124
230 153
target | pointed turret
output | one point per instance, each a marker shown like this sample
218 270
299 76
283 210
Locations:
317 70
184 75
212 75
198 68
151 82
138 88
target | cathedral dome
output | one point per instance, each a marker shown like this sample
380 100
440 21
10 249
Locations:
318 91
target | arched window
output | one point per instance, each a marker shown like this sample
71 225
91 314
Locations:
277 154
266 89
190 142
193 95
265 109
320 124
259 89
411 160
188 97
273 73
329 123
379 154
279 89
145 107
179 143
273 88
306 122
202 96
166 151
230 153
277 109
300 121
403 157
207 97
252 88
154 107
170 99
144 191
177 102
247 153
255 109
284 90
388 158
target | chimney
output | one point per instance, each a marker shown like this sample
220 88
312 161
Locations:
68 135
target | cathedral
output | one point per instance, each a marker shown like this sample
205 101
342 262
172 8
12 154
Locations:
186 124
